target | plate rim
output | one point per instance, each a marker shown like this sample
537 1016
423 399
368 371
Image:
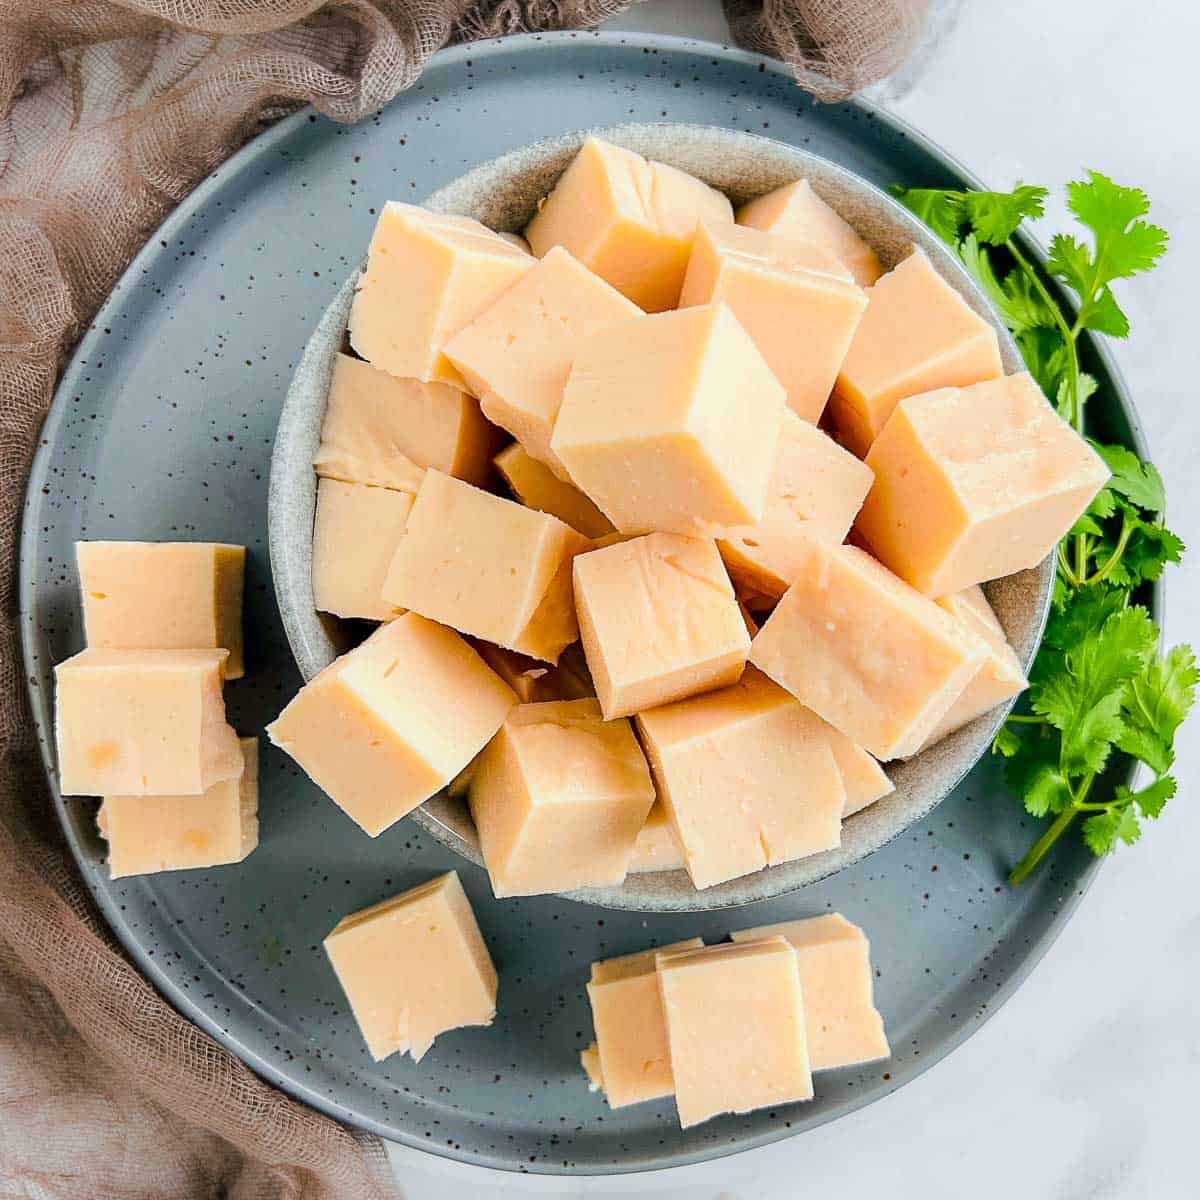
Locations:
39 701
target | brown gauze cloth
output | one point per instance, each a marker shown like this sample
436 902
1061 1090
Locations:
110 113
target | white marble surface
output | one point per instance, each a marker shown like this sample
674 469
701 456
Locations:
1081 1088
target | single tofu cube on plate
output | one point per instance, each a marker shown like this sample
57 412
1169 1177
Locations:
163 596
536 486
414 967
975 483
558 798
793 298
143 723
385 726
659 621
735 1026
671 422
146 834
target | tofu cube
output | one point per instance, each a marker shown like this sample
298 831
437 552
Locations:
414 967
917 334
816 491
163 596
975 483
355 535
833 955
386 431
796 211
143 723
427 275
863 779
536 486
735 1027
862 649
747 777
628 220
657 848
382 728
999 678
558 798
633 1060
146 834
517 353
793 298
488 567
658 620
671 422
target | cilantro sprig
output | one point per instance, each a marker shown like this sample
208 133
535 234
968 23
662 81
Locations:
1100 687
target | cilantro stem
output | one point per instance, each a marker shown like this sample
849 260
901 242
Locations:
1026 719
1106 568
1041 847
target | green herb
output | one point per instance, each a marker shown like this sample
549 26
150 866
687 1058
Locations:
1099 687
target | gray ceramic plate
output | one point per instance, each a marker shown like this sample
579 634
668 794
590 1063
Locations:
163 428
504 194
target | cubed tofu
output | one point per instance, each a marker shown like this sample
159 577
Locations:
671 422
796 211
382 728
355 534
427 275
735 1027
146 834
143 723
386 431
795 300
488 567
862 649
633 1060
863 779
558 798
999 678
628 220
658 620
536 486
975 483
843 1026
657 848
163 596
747 777
917 334
517 353
414 967
816 491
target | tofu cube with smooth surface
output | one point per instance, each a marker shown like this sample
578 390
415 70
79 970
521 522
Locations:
975 483
414 967
386 431
143 723
536 486
671 422
816 491
999 677
747 778
863 779
146 834
633 1059
878 660
917 334
488 567
797 302
657 848
834 958
517 353
658 620
385 726
163 596
628 220
427 275
355 534
558 798
796 211
735 1027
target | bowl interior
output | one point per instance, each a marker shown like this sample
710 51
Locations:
503 194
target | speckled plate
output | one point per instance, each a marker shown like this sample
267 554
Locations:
504 193
163 428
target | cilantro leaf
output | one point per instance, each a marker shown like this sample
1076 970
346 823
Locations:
1152 799
994 216
1047 792
1086 610
1019 304
1154 704
1124 244
1007 741
1139 482
941 210
1104 830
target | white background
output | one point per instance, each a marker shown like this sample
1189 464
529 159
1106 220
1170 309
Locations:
1084 1086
